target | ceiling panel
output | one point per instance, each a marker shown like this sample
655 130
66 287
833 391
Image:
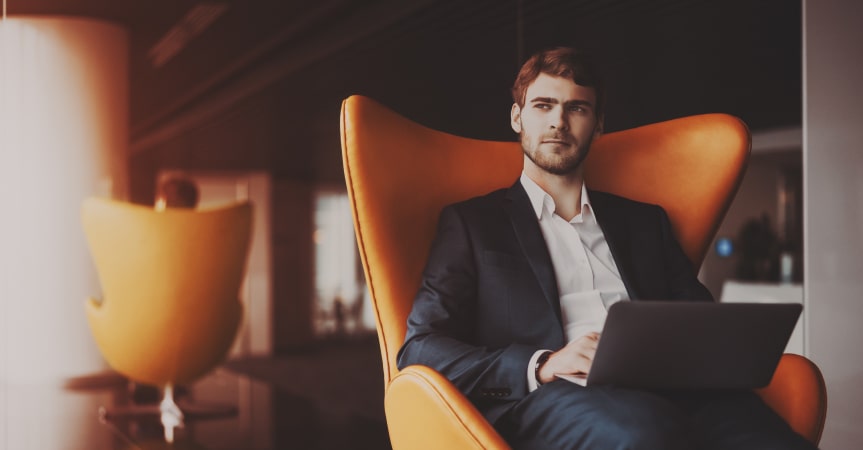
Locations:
663 58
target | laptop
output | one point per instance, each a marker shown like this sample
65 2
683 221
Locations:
692 345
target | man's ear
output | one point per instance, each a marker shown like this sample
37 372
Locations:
515 118
600 126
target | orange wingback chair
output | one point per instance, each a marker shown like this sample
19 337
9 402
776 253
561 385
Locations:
171 281
400 175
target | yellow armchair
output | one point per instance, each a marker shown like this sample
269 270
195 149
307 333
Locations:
170 280
400 175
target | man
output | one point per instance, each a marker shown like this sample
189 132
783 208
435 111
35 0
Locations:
518 282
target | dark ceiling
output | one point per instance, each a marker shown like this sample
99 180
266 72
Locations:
449 63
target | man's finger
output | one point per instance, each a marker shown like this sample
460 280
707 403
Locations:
583 365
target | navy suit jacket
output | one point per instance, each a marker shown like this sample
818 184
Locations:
489 296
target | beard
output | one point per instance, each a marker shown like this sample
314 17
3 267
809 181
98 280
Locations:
562 163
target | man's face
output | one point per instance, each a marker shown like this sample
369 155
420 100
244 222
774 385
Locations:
557 123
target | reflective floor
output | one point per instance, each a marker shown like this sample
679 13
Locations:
323 398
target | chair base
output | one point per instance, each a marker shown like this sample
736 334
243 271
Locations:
171 414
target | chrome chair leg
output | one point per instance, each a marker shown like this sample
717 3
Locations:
172 417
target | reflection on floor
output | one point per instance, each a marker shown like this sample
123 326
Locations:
326 397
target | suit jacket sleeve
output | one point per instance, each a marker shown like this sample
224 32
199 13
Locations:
442 326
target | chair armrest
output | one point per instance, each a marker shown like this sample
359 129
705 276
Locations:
797 393
425 411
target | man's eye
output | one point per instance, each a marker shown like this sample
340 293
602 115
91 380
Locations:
542 106
576 108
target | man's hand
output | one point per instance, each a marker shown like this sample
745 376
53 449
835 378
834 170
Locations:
574 359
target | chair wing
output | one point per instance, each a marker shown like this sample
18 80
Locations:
690 166
170 282
400 175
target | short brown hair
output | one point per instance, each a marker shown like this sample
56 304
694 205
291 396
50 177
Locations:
563 62
178 192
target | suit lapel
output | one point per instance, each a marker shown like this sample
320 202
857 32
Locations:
517 205
615 227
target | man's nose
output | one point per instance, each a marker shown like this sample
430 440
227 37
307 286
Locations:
558 119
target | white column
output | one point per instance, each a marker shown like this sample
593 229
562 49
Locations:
833 209
63 137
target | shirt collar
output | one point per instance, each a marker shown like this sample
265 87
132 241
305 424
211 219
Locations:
539 200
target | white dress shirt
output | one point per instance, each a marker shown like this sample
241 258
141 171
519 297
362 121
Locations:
588 281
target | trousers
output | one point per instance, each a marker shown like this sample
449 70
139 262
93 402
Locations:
562 415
